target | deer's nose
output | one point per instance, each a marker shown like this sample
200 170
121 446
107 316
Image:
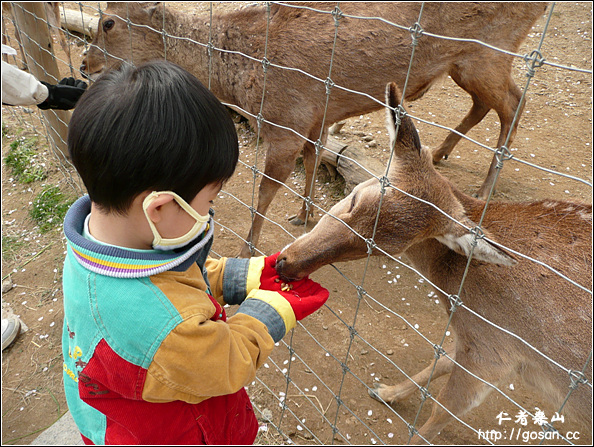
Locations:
280 263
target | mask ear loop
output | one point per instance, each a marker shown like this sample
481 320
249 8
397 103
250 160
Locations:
157 239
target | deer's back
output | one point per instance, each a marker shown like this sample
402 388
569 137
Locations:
367 52
529 299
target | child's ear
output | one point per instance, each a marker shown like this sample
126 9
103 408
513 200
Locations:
153 205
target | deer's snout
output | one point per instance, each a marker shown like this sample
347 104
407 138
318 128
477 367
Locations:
281 264
288 270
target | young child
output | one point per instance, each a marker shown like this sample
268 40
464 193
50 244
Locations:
150 357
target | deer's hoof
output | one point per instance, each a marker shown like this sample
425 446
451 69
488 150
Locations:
374 393
296 220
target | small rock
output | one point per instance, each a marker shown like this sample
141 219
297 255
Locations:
7 285
267 415
389 352
364 352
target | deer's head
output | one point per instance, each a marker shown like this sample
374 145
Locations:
418 204
127 32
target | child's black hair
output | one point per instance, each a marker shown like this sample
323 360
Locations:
154 127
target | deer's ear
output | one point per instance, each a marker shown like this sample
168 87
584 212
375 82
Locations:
461 241
403 134
150 7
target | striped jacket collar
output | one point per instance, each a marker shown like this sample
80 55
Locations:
121 263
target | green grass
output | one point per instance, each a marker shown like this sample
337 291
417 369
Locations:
49 208
11 247
22 161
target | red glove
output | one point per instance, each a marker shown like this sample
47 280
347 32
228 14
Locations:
305 296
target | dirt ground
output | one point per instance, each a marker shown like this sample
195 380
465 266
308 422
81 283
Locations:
555 133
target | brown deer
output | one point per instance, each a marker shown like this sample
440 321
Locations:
513 292
368 53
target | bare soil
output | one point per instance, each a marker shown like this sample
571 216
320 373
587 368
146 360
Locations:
320 357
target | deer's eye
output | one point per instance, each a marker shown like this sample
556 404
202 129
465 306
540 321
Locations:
108 24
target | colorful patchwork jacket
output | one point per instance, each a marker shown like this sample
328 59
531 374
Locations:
149 355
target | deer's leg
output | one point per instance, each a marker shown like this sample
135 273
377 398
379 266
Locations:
475 115
463 392
491 88
397 393
280 162
310 164
506 111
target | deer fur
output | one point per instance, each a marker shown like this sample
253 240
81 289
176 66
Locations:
368 54
517 294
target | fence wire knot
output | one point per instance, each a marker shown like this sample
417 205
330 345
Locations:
577 378
360 291
319 146
345 368
308 202
424 393
259 120
412 430
329 83
370 245
384 183
210 47
337 14
400 113
352 331
265 64
439 351
533 60
502 154
455 301
478 234
416 31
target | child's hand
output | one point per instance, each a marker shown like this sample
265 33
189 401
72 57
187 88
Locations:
278 304
305 296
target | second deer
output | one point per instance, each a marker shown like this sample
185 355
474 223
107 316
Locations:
517 294
368 54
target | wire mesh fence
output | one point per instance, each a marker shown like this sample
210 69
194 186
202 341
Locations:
384 321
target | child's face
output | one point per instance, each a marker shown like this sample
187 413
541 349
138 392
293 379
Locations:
204 199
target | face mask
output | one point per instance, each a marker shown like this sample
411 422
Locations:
160 243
